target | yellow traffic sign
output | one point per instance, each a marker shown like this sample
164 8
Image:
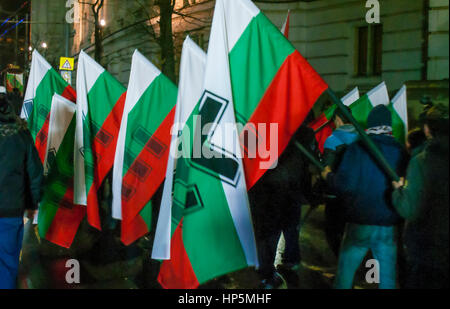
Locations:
66 64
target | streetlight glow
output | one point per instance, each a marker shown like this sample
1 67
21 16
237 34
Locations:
102 22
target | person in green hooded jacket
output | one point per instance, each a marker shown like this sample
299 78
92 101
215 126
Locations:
422 199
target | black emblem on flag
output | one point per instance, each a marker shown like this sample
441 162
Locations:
104 137
127 191
156 147
27 108
141 170
225 164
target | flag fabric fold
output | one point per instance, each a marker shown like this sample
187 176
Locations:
143 147
399 110
100 104
58 218
285 28
211 227
43 83
192 75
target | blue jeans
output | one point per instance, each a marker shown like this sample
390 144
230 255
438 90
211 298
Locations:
11 235
358 240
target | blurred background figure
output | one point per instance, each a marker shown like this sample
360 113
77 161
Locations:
21 175
423 201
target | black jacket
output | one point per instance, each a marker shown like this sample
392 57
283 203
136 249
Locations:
21 171
363 185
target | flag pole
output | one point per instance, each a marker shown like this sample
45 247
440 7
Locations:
322 127
309 155
373 149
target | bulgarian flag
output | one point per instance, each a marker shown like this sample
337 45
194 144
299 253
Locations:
43 83
59 218
143 147
211 228
285 28
323 124
399 110
100 105
273 86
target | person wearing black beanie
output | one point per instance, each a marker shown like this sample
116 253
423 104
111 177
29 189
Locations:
365 189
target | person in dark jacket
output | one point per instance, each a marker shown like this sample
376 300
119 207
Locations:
423 201
276 201
415 142
366 191
335 146
21 175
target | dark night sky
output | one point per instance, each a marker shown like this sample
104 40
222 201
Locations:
8 52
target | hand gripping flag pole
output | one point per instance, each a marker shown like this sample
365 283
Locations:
371 147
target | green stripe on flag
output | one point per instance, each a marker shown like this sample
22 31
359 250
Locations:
254 63
58 181
150 114
102 97
209 234
51 83
398 127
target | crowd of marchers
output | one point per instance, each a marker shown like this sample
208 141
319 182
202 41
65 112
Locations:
404 224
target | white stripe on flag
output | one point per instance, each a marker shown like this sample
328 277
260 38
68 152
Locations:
192 76
351 97
87 74
38 70
379 95
218 82
400 103
142 75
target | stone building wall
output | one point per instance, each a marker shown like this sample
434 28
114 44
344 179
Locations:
414 36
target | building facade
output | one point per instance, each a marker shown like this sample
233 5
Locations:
409 45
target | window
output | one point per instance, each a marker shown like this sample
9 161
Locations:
377 49
369 50
363 36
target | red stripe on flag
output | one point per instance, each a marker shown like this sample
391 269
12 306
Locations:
286 29
70 94
65 224
104 148
324 133
288 100
41 139
42 136
133 230
177 273
144 177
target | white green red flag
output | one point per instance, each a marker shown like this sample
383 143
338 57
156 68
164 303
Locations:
192 77
272 84
59 218
211 228
43 83
143 147
100 104
399 110
324 126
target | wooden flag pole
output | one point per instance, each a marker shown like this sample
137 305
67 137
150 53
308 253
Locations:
373 149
